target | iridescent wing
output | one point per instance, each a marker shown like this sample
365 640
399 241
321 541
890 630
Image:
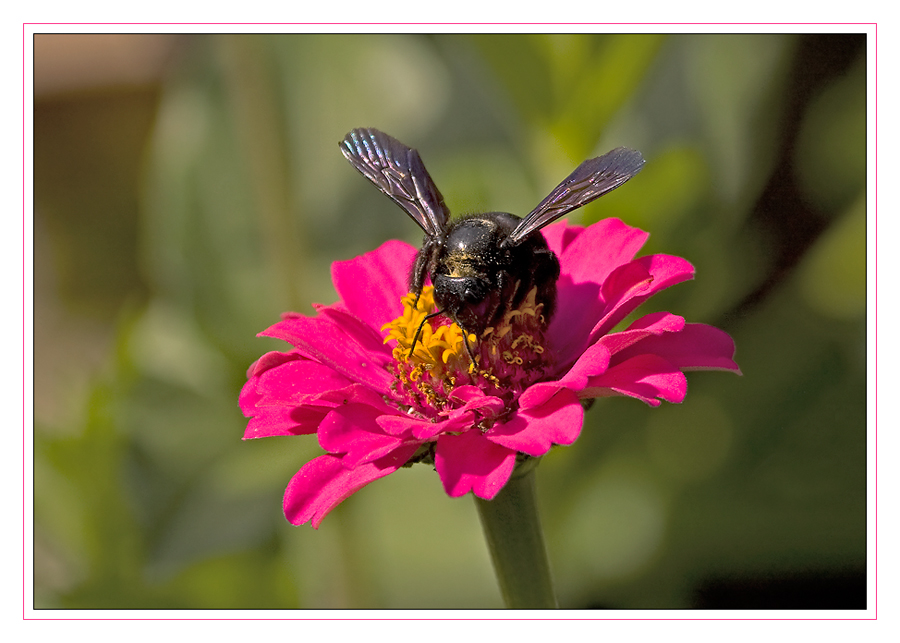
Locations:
398 171
590 180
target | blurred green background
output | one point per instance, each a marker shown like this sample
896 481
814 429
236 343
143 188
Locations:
189 189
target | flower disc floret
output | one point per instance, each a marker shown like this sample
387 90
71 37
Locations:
440 351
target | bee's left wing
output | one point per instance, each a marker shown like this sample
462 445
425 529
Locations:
398 171
590 180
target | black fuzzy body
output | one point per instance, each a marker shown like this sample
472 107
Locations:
482 266
478 277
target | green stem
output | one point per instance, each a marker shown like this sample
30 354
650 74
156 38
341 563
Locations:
512 528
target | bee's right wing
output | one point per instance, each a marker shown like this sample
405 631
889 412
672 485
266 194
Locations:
398 171
590 180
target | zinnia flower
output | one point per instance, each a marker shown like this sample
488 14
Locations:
379 400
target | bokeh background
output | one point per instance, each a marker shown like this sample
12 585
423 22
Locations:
189 188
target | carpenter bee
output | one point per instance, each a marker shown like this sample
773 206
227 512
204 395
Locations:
481 265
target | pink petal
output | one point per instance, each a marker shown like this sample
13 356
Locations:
284 419
476 407
323 483
289 380
274 398
560 234
273 421
624 296
474 399
586 261
578 309
271 360
667 270
371 285
250 393
658 323
646 326
593 361
647 377
402 424
470 462
427 430
600 249
625 283
339 340
357 393
466 393
352 431
696 347
535 430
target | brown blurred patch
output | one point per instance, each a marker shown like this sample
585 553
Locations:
95 102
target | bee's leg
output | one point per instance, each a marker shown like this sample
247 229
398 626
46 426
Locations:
419 331
469 350
512 292
419 271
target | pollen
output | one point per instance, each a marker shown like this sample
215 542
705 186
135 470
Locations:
439 350
431 357
515 344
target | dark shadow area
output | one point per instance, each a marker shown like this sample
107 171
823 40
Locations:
823 590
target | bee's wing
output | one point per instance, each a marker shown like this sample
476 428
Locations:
590 180
398 171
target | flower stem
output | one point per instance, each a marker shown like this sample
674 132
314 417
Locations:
512 529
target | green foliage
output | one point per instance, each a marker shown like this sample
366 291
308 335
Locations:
145 495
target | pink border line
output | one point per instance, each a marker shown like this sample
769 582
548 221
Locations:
376 24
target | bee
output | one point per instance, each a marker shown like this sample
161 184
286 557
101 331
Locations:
481 265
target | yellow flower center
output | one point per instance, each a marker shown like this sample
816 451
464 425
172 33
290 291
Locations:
509 356
438 351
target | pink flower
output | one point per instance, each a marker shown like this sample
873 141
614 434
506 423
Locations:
376 405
